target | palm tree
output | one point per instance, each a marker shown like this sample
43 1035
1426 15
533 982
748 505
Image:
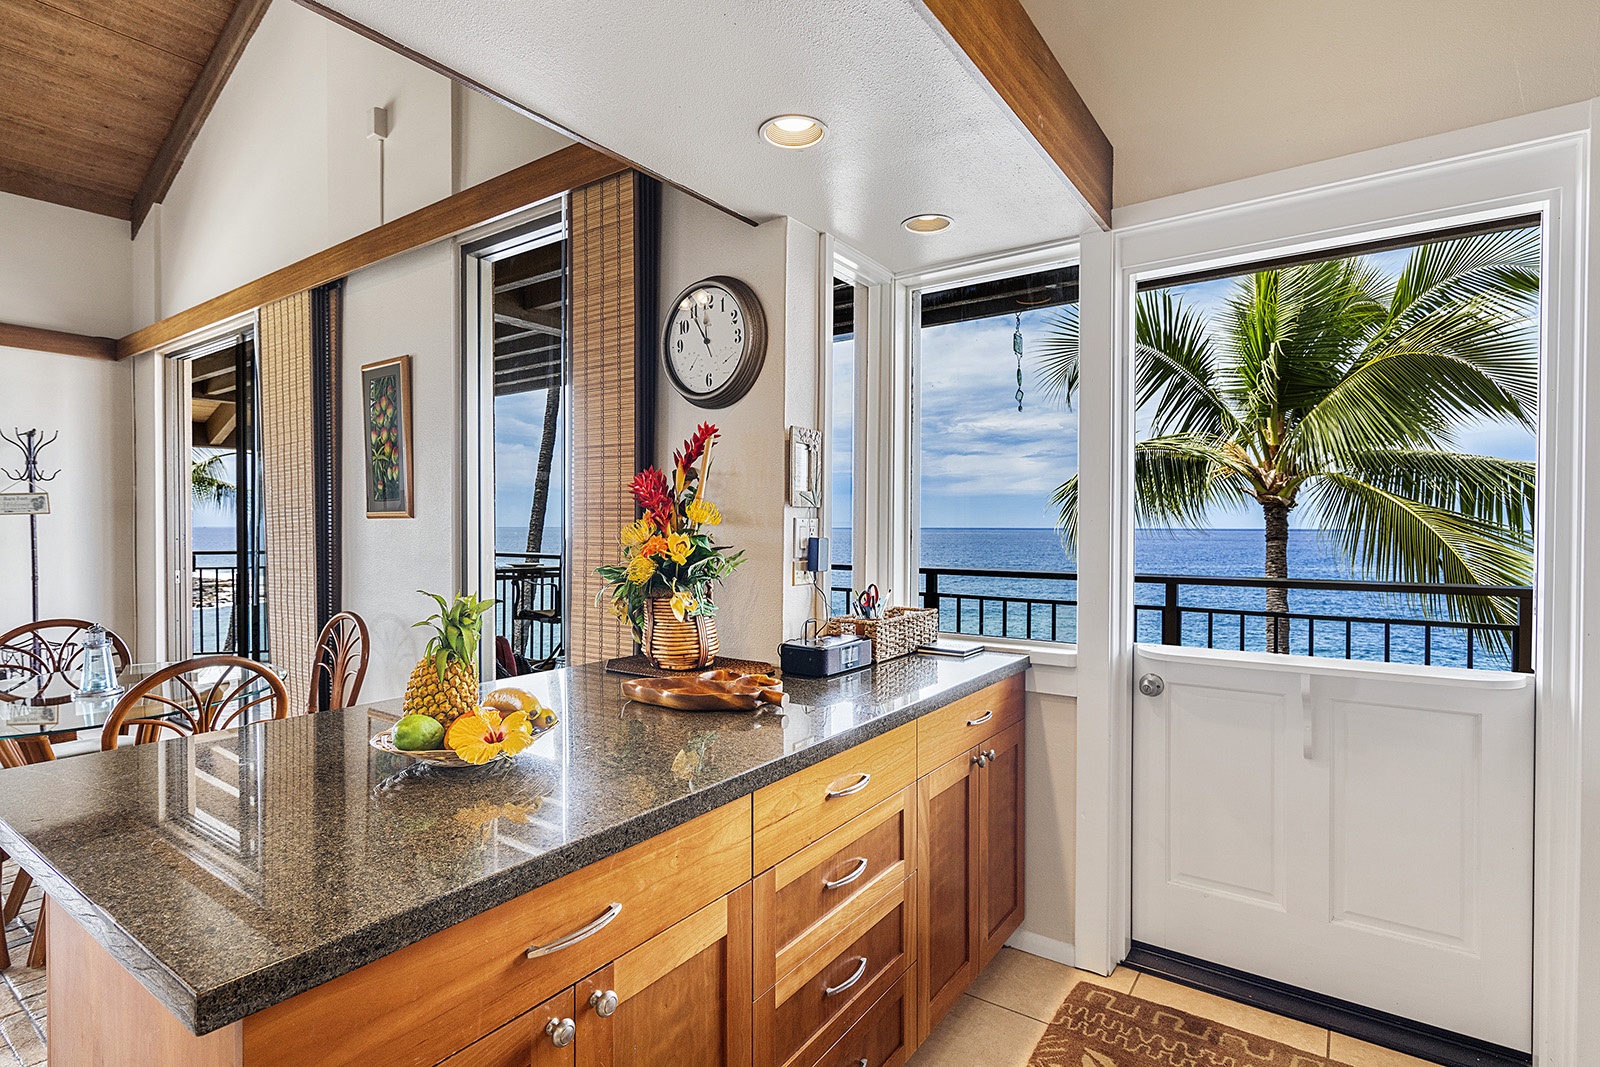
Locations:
1338 387
206 481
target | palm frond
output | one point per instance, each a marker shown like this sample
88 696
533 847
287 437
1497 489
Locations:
1058 355
1500 268
1179 479
206 482
1405 540
1065 500
1175 368
1497 492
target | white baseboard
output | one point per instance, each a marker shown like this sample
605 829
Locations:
1039 945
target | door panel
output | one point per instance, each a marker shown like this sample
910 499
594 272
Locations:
1000 871
1359 833
947 937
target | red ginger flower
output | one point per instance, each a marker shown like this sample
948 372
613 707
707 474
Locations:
649 489
696 445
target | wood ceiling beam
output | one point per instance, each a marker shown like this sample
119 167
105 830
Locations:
58 191
559 172
66 344
236 33
1010 54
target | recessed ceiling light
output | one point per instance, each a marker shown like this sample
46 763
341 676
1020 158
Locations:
927 223
793 131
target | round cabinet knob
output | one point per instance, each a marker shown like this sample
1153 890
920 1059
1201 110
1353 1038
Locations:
604 1002
981 760
1152 685
561 1032
991 755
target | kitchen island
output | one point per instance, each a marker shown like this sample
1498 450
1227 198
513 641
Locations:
787 886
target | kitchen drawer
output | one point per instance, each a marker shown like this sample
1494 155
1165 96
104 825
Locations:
812 1006
792 813
805 901
523 1042
430 999
881 1037
945 734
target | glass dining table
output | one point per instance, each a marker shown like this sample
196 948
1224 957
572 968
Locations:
32 721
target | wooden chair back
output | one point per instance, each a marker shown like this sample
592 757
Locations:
50 650
341 664
195 706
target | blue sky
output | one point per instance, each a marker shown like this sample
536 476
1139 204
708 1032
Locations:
987 465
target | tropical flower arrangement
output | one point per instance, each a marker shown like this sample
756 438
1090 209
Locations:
668 552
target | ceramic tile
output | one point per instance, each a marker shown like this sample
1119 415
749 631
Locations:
24 1041
1349 1052
1034 986
977 1032
1298 1035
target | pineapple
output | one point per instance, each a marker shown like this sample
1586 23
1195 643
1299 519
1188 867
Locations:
444 683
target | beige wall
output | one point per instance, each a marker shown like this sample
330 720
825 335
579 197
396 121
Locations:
1051 737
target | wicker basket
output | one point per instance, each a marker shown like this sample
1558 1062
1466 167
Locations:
899 632
673 644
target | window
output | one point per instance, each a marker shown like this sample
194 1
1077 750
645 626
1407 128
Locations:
1335 455
842 452
998 452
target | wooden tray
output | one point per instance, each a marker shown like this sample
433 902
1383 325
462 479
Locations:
714 690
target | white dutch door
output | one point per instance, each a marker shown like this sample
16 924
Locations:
1361 831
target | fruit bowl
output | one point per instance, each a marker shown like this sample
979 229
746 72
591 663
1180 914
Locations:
438 757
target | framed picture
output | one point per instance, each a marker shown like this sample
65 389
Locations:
386 431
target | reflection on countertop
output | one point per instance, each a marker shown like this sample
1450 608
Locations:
231 871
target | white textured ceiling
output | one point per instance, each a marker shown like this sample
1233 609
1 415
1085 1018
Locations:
681 87
1195 93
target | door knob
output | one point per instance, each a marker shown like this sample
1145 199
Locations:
1152 685
604 1002
561 1032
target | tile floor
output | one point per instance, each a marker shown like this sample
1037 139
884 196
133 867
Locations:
996 1024
21 987
1003 1016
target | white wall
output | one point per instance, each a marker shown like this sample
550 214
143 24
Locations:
284 167
63 269
86 542
405 306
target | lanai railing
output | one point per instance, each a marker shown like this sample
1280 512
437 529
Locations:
1389 622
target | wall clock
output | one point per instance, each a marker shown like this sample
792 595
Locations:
715 341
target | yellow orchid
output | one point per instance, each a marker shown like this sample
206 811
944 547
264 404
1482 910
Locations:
683 604
703 513
637 533
641 569
678 547
480 737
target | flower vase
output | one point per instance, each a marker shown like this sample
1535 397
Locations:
677 645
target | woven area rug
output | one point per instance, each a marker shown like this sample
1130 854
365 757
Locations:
1099 1027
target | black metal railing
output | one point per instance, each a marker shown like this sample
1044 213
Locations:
527 612
213 580
1381 622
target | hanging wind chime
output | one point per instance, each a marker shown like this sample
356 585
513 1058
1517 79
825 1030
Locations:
1016 346
30 443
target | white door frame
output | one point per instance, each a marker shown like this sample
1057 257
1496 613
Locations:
1538 163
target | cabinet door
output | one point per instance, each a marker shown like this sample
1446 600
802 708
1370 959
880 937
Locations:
684 996
999 791
947 830
525 1041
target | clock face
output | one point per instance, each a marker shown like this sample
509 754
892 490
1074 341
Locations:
715 341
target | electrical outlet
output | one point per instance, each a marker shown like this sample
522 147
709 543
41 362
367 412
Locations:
798 573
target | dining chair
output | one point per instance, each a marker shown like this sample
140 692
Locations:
50 649
170 699
341 664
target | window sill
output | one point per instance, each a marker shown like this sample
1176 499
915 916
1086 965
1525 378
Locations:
1055 666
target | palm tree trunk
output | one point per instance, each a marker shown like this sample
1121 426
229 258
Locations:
1277 514
541 504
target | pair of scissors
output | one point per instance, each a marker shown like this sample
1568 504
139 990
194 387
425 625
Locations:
867 602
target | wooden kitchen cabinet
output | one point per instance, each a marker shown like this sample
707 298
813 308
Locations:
970 868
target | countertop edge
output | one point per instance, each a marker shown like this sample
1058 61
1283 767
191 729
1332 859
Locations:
212 1009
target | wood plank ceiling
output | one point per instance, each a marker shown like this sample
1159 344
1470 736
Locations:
98 111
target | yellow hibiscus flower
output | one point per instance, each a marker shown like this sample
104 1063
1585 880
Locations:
682 604
637 533
640 569
678 547
703 513
480 737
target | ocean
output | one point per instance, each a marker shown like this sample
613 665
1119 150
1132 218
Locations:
1184 552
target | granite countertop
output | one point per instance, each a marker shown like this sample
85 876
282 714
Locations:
230 871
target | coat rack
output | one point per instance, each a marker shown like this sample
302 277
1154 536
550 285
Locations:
30 443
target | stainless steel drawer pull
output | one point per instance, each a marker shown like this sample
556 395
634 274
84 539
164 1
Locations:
535 951
981 719
561 1032
861 868
850 790
835 990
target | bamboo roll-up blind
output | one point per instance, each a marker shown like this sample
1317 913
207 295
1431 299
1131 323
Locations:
298 346
612 311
